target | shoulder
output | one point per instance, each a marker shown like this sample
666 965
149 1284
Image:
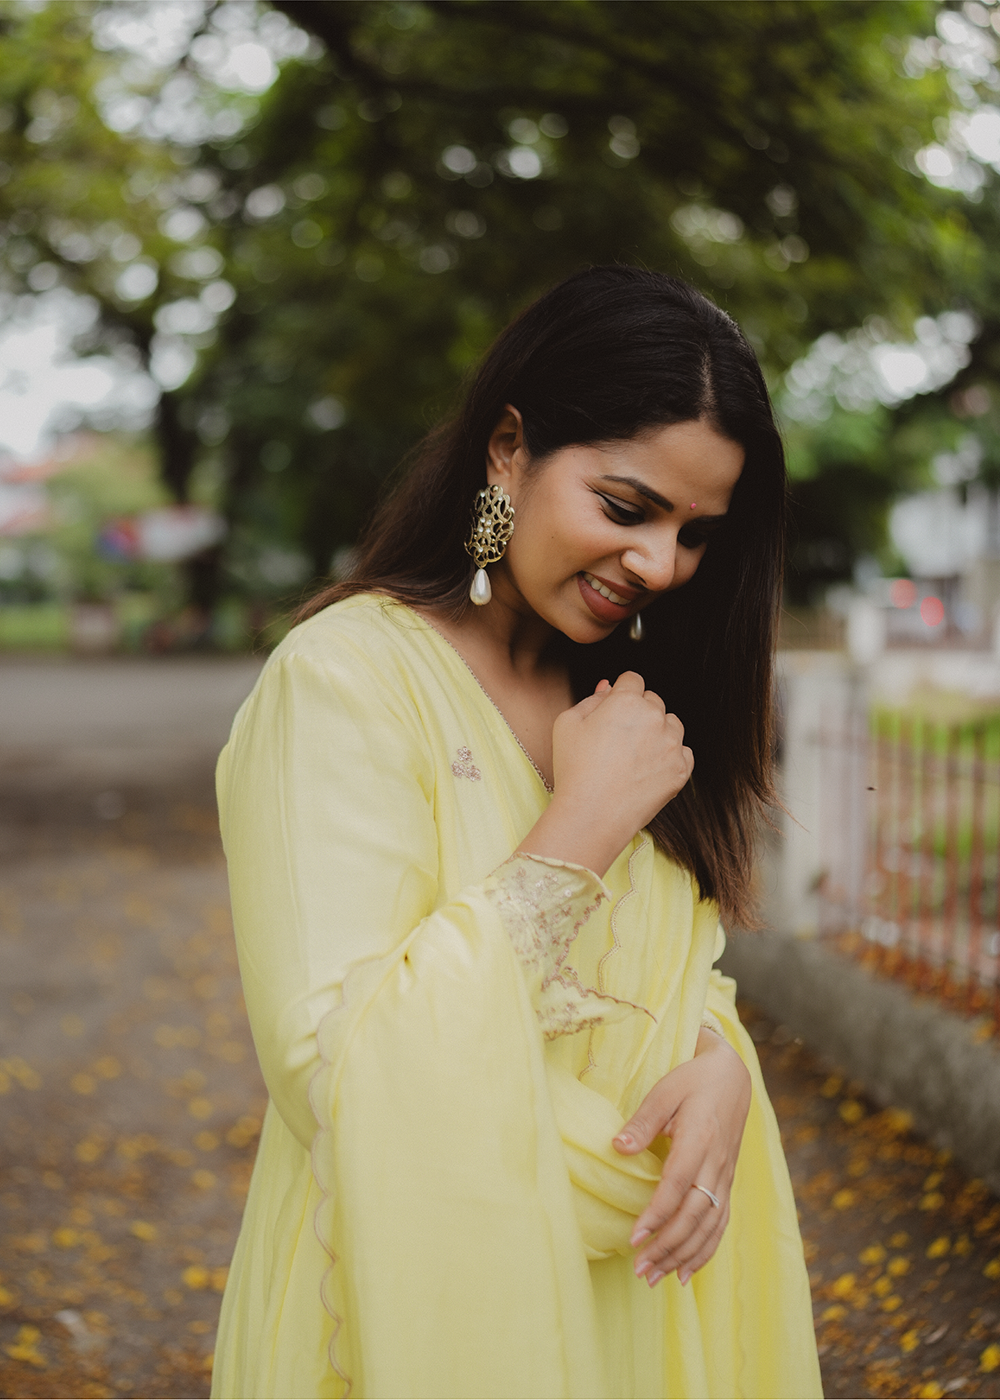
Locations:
360 656
349 669
367 635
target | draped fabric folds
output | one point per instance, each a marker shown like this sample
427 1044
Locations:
450 1038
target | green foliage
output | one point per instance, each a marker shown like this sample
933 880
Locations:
423 170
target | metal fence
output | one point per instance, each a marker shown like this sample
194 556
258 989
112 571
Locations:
910 836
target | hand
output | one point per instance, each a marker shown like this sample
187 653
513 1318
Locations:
702 1107
618 758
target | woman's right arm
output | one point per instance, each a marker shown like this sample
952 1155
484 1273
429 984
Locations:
325 796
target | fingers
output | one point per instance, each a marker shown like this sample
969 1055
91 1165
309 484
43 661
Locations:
629 683
649 1120
688 1254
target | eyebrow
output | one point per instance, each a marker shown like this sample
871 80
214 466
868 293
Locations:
649 494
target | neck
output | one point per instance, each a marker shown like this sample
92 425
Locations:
506 627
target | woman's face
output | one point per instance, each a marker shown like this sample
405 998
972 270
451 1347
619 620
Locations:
601 531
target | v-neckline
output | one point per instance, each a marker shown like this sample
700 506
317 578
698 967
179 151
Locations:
507 724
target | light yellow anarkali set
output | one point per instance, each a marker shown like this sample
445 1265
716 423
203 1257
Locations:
450 1039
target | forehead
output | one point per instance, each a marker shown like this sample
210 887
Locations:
686 459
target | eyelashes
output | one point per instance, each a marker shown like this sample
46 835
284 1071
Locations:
620 514
691 536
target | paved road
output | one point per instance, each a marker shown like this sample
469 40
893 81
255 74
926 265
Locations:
131 1098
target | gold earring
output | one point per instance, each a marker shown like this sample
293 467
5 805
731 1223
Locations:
636 628
492 527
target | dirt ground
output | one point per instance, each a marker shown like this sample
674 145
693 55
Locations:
131 1104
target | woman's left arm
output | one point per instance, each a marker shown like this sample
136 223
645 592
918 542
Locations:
702 1107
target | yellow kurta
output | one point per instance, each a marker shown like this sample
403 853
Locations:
450 1039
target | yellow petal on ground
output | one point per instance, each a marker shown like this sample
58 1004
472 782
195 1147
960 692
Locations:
65 1237
7 1299
891 1304
219 1277
930 1391
143 1230
88 1150
909 1341
200 1108
932 1201
899 1240
843 1287
83 1083
898 1120
874 1254
933 1180
851 1111
992 1269
843 1199
963 1246
21 1071
834 1313
25 1347
990 1358
107 1067
831 1087
882 1287
196 1277
204 1180
898 1267
206 1141
939 1247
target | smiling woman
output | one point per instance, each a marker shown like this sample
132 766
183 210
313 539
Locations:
477 862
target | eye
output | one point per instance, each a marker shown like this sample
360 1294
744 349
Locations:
621 514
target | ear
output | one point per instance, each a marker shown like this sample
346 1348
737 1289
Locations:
505 452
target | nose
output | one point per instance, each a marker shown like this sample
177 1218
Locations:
652 563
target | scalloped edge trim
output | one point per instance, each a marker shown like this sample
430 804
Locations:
616 947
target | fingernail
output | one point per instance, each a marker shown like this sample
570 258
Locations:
642 1267
638 1236
655 1277
684 1276
625 1139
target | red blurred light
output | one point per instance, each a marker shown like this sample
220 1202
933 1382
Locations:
932 611
903 593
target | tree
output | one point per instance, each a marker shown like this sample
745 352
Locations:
419 170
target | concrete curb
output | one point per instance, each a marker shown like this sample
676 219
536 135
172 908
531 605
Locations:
908 1051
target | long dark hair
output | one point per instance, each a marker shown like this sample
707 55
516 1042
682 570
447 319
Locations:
607 354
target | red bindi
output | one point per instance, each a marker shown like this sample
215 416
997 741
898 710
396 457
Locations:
694 505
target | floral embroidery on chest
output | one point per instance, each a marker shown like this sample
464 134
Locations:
463 767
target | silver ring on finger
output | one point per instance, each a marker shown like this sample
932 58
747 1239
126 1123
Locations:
706 1192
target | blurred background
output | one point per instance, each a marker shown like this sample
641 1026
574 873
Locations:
249 252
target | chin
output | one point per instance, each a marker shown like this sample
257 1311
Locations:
585 631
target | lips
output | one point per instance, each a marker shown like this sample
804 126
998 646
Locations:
603 608
605 590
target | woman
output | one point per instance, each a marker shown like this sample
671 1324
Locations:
481 817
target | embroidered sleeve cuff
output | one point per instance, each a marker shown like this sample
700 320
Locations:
543 904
